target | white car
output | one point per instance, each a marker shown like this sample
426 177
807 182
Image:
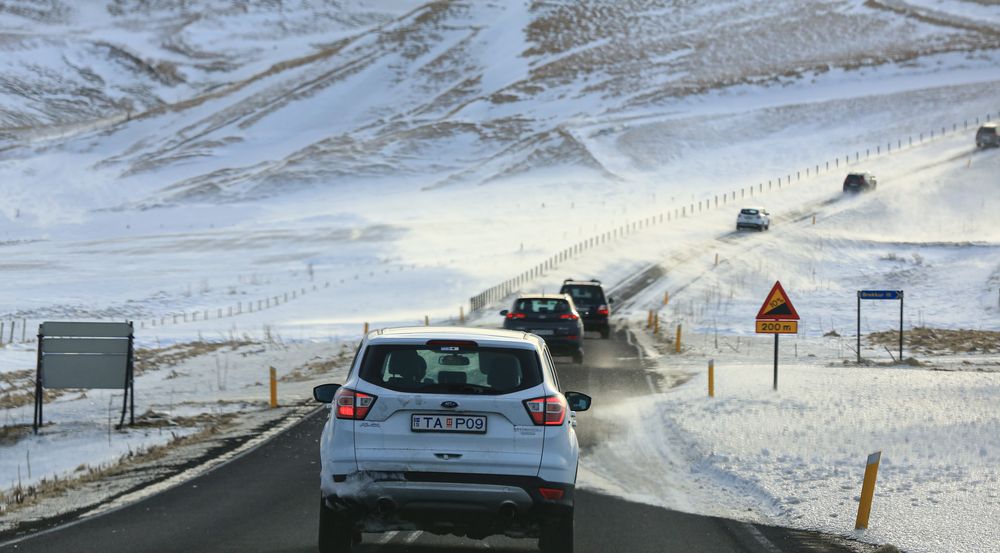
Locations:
452 431
753 218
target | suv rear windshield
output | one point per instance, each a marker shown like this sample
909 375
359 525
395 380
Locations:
541 306
451 370
584 294
854 179
987 131
748 212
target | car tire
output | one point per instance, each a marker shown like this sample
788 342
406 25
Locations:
557 535
767 226
335 532
578 357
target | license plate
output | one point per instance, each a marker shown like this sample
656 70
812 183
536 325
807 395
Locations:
544 332
469 424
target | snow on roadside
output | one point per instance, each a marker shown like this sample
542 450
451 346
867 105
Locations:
796 457
192 388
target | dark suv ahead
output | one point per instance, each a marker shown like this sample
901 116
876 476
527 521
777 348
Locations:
987 136
594 306
553 317
859 182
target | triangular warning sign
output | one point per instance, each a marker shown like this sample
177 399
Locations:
777 306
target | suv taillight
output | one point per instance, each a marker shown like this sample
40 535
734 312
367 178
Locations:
570 316
351 404
602 310
547 411
513 315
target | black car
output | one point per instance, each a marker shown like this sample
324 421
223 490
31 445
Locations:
859 182
553 317
594 306
987 136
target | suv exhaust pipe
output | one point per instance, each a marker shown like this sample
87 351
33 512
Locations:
508 512
385 506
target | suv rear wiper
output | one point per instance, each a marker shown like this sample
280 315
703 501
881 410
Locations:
458 388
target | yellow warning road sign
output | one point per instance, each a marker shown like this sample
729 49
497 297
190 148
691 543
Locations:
777 306
777 327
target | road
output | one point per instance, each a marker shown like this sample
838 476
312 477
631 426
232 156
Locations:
267 500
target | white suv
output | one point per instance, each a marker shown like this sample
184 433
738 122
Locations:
452 431
753 218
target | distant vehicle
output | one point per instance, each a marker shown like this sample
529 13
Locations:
594 306
859 182
753 218
451 431
987 137
553 317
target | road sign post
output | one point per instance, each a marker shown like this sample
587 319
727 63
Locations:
881 295
777 316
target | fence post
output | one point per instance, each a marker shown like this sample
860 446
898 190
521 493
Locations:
867 491
711 378
274 387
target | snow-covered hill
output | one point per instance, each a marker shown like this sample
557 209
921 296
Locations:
283 172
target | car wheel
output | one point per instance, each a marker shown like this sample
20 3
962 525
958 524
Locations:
557 535
767 226
335 532
578 357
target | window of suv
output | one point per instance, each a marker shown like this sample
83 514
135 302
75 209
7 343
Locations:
584 294
451 370
855 179
541 306
749 211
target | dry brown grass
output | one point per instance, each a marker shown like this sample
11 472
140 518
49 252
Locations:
939 340
171 356
21 496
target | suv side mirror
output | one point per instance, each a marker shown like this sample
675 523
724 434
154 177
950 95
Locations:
578 401
324 392
504 313
611 300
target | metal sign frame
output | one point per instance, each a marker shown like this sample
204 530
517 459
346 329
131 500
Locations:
86 355
881 295
769 322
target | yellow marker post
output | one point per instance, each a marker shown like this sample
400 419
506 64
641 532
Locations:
716 259
274 388
649 319
711 378
666 298
366 328
814 219
677 342
656 323
868 491
461 314
427 321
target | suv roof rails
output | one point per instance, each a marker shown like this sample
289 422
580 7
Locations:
594 280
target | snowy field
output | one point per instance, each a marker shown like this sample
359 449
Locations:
265 181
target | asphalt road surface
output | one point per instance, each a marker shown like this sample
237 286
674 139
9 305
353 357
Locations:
267 500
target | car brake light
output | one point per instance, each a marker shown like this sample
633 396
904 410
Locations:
602 310
570 316
546 411
513 315
464 344
351 404
551 494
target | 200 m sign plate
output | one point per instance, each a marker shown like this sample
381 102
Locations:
777 327
470 424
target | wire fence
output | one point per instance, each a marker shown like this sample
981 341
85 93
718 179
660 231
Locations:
502 290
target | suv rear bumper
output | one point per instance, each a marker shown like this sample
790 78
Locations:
463 504
595 323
